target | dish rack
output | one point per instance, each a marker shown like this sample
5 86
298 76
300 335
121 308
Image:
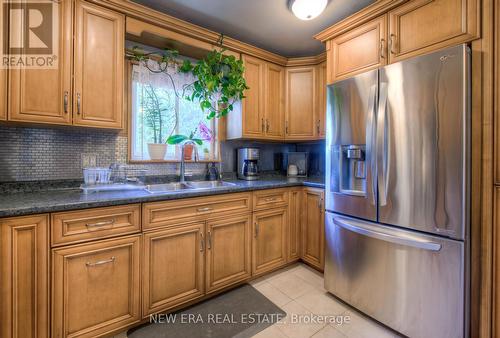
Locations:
115 178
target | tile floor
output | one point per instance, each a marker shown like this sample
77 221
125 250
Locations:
298 290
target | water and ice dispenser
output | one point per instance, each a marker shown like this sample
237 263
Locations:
349 170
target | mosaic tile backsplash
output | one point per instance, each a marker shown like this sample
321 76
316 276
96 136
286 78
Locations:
37 154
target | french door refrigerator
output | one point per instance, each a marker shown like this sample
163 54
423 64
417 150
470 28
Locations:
397 193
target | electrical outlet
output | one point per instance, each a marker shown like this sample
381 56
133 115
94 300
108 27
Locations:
89 160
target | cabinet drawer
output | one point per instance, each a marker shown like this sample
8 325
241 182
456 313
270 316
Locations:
173 212
266 199
86 225
95 289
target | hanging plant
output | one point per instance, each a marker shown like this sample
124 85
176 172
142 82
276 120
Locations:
220 82
219 78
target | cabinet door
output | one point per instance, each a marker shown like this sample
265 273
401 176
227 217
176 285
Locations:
44 95
253 103
361 49
173 267
24 277
99 66
313 227
275 102
95 287
269 242
321 108
300 103
293 231
228 251
422 26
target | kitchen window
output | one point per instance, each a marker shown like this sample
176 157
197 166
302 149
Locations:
159 110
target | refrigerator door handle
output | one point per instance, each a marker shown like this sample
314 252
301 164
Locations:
387 235
371 140
381 151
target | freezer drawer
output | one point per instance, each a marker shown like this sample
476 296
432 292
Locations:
413 283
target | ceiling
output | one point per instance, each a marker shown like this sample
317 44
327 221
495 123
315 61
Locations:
268 24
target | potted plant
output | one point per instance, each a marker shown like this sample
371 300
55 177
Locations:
200 134
158 109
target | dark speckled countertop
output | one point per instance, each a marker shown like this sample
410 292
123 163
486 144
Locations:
26 203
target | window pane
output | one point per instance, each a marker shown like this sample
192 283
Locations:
157 113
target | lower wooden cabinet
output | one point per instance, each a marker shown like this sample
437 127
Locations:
95 287
313 227
173 267
269 241
24 277
294 219
228 254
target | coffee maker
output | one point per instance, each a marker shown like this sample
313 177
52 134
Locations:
248 166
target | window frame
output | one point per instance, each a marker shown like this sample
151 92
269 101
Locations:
218 124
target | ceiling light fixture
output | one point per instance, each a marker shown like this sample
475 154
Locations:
307 9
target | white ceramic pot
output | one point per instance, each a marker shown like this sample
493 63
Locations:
157 151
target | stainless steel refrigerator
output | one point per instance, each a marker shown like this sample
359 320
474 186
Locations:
397 193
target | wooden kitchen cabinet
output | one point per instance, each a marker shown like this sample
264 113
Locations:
91 53
274 99
421 26
173 267
252 109
269 241
321 107
99 70
300 108
313 227
24 277
95 287
228 254
294 221
359 50
44 95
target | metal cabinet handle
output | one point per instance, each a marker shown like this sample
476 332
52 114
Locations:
318 127
270 199
78 103
392 44
66 101
202 242
391 236
90 265
382 48
100 224
256 229
204 209
267 125
263 125
286 127
209 240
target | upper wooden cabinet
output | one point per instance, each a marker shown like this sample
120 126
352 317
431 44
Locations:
301 121
361 49
421 26
253 123
91 53
24 277
274 102
321 100
44 95
262 110
95 287
99 58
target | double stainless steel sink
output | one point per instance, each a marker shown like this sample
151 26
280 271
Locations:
179 186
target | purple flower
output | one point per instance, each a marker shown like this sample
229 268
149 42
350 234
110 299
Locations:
205 133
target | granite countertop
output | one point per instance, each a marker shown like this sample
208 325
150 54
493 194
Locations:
36 202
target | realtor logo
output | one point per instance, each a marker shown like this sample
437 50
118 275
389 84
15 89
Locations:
30 34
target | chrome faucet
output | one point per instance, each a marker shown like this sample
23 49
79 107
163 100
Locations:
183 162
